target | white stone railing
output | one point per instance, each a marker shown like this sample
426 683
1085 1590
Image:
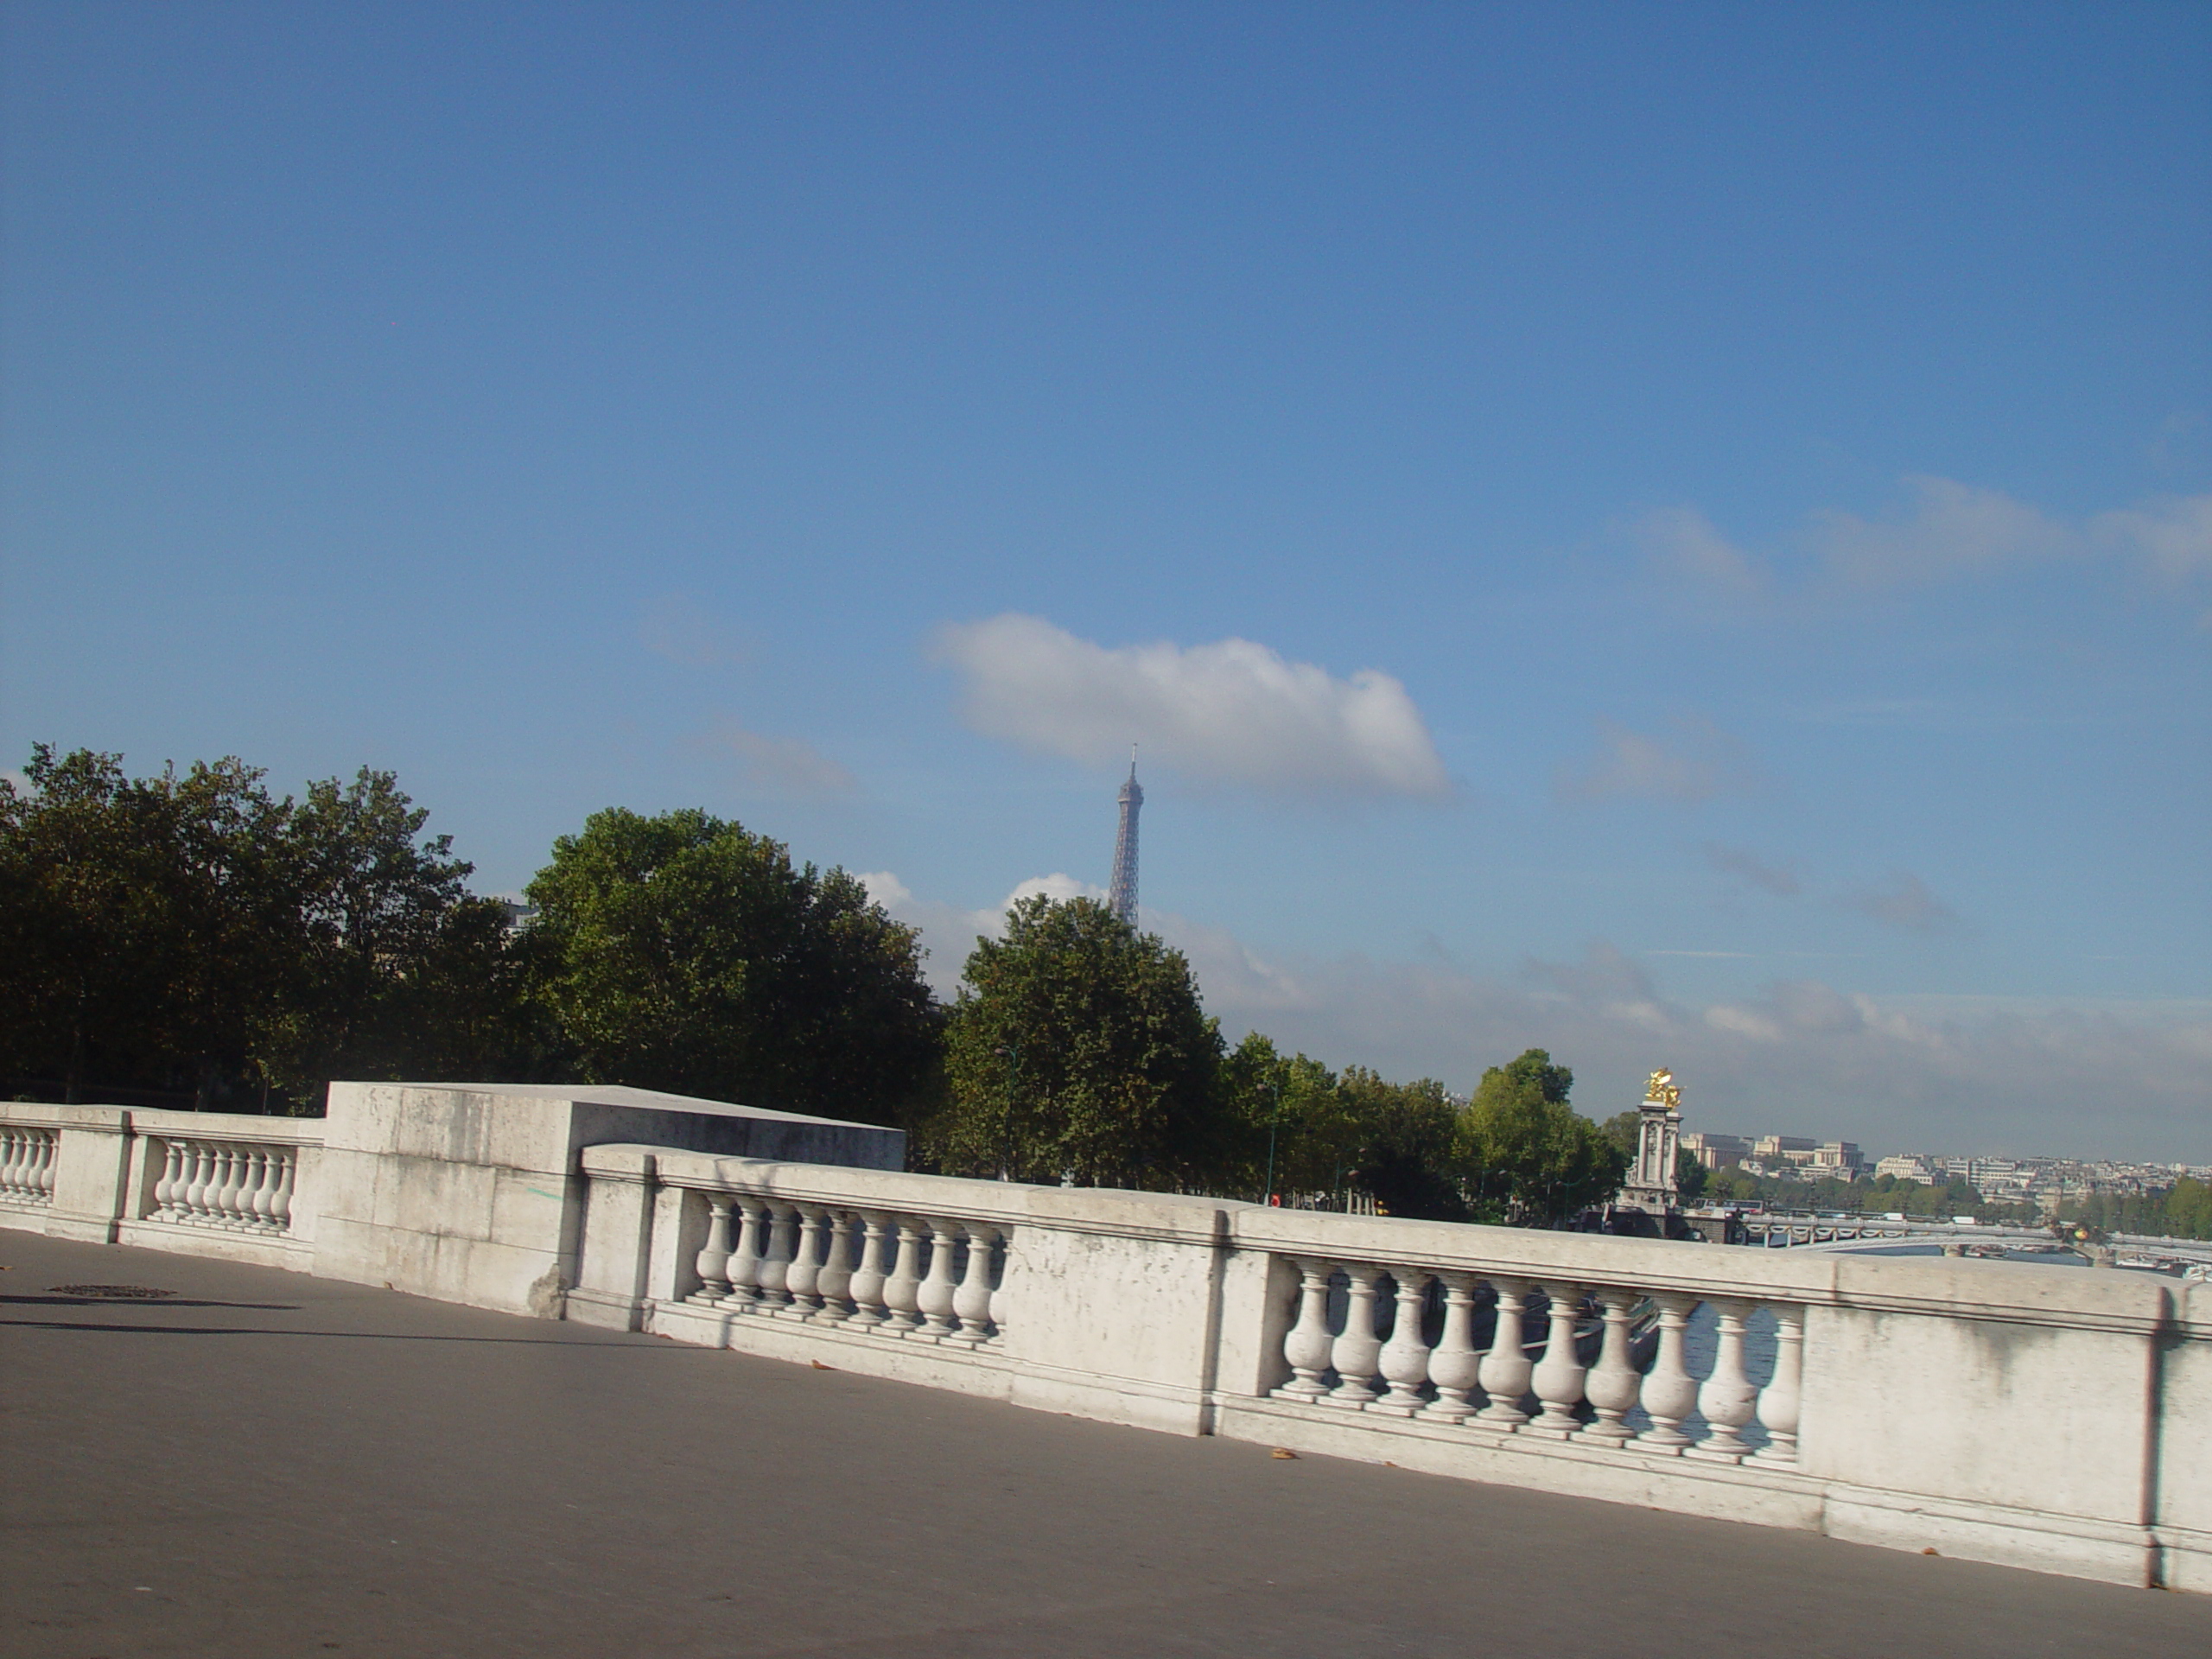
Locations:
232 1186
2056 1418
1559 1360
27 1164
1994 1410
201 1183
877 1272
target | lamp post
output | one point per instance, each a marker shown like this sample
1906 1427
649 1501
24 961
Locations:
1275 1083
1013 1052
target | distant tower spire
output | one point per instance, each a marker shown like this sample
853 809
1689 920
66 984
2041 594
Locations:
1121 893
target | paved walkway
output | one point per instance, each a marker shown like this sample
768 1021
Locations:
270 1465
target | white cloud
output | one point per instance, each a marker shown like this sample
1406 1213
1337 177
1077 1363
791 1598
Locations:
1684 540
2172 535
1801 1057
1949 529
949 932
1697 762
1944 531
682 629
1990 1075
782 763
1232 713
1740 861
1904 902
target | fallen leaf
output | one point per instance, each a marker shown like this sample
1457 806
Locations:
1929 1551
819 1366
1283 1452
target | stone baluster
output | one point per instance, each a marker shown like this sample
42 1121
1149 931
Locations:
971 1297
1307 1345
902 1289
49 1149
169 1184
835 1282
866 1287
195 1190
1669 1390
254 1191
15 1154
805 1278
1779 1400
1454 1364
1002 1286
1404 1359
1558 1376
1614 1384
712 1264
744 1268
769 1278
222 1186
288 1176
1726 1398
1356 1348
1506 1368
933 1299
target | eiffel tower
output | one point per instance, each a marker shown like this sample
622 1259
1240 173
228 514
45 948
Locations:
1121 892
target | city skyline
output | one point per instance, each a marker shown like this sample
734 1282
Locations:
1674 534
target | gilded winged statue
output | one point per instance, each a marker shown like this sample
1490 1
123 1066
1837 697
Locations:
1661 1087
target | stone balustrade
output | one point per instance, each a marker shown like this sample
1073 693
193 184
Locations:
232 1186
1562 1359
2036 1416
27 1164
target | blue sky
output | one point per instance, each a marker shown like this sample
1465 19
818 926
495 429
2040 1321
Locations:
1680 534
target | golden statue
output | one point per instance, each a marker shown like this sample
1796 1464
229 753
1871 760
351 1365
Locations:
1661 1087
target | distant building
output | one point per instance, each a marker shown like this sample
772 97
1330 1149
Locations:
1906 1169
1837 1159
1716 1151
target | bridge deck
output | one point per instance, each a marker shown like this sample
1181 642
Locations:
270 1465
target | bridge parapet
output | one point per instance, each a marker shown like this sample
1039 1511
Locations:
2010 1413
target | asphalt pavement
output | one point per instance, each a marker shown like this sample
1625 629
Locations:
263 1464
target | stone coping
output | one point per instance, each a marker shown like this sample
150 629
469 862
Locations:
2006 1291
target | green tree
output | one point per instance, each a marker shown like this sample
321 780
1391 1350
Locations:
1079 1049
197 933
1294 1106
83 994
682 952
404 972
1408 1142
1524 1149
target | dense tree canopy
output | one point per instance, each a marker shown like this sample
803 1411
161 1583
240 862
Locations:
1525 1149
1077 1050
197 934
682 952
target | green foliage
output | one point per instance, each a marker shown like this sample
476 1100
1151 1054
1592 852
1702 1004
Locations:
1078 1049
197 934
1878 1196
1689 1176
1523 1147
1409 1135
682 952
2183 1210
1293 1103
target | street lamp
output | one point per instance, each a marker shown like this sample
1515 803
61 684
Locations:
1275 1085
1012 1051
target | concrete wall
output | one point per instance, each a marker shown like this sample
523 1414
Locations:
471 1193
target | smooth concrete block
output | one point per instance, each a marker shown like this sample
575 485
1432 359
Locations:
1139 1310
2184 1478
1990 1411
